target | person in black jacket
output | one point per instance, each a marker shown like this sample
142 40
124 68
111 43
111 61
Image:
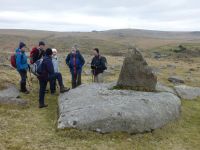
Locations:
48 74
39 52
98 66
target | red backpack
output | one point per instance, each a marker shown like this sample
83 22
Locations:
33 51
13 61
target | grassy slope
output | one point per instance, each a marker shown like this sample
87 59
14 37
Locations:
110 42
32 128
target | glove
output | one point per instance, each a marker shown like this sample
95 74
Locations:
93 67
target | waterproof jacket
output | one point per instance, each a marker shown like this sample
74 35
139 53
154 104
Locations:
21 60
75 62
55 63
98 65
47 69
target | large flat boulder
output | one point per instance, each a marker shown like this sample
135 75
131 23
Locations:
187 92
136 74
96 107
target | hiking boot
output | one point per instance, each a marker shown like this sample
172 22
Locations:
26 92
23 88
64 89
43 106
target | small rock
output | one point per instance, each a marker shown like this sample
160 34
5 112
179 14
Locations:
187 92
176 79
11 96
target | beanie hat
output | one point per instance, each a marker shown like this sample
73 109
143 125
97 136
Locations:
21 45
49 52
41 43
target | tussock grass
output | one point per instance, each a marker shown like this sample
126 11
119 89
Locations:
30 128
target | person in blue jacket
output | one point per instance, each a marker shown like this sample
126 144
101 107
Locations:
48 74
22 66
75 62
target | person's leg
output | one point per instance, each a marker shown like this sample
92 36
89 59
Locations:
52 86
43 85
58 76
79 79
100 78
96 78
23 75
76 80
73 81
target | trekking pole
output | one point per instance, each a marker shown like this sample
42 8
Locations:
28 83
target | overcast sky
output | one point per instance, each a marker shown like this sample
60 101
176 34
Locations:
88 15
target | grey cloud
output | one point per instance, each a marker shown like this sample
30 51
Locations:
144 11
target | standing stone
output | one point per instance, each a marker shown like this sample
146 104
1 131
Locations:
136 74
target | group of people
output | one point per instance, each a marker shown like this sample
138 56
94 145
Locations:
49 68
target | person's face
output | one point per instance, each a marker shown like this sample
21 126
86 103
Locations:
54 53
23 49
73 50
95 53
42 47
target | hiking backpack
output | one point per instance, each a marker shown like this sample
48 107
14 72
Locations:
104 61
13 61
36 68
33 51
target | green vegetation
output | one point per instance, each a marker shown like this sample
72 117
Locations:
30 128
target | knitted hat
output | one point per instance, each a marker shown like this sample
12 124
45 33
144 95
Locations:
21 45
49 52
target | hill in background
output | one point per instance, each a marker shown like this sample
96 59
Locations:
112 42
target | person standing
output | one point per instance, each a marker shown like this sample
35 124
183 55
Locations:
75 62
48 74
98 66
37 52
56 70
22 66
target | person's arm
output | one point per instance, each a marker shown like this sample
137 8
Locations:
68 59
93 65
82 60
18 60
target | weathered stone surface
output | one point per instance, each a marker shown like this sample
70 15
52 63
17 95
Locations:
162 88
136 73
11 96
187 92
176 79
94 107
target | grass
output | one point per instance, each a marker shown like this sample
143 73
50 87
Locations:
30 128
